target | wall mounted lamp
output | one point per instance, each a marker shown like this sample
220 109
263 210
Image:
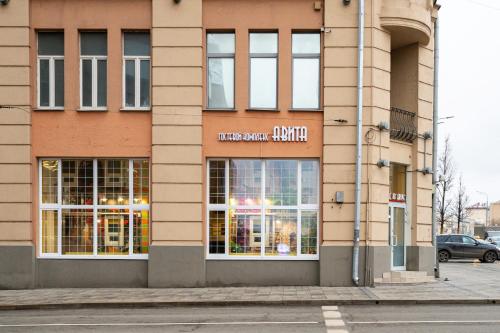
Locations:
177 2
425 171
4 2
383 126
427 135
383 163
346 2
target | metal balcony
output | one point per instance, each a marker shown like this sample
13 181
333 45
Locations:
403 125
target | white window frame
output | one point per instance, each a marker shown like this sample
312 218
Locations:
94 60
52 82
95 208
263 207
263 56
307 56
220 56
137 62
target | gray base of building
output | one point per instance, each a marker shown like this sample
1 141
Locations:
336 263
91 273
262 273
176 266
186 266
17 267
421 258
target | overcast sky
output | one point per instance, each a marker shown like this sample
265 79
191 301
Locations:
470 91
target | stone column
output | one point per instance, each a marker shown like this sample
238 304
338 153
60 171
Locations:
177 253
16 227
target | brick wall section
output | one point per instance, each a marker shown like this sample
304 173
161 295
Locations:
177 108
15 125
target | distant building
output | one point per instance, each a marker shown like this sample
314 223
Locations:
495 214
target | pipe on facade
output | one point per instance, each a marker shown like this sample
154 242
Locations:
359 144
435 115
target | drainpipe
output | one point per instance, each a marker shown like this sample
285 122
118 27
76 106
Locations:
435 116
359 145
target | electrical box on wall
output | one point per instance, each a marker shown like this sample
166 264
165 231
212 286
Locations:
339 197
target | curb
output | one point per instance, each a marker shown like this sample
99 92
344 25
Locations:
59 306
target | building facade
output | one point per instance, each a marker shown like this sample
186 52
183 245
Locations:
161 143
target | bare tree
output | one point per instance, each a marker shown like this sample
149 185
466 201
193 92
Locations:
446 173
461 204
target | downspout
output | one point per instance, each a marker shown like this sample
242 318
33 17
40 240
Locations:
359 145
435 115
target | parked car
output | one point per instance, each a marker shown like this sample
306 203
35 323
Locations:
495 240
457 246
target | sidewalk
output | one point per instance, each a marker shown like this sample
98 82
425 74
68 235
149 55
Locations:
468 284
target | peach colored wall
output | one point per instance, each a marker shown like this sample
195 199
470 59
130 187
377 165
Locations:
241 17
71 133
277 15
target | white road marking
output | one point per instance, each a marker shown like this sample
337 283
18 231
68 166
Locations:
330 308
167 324
331 314
337 331
334 323
392 322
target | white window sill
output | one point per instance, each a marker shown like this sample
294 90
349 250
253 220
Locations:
98 257
48 109
136 109
92 109
263 258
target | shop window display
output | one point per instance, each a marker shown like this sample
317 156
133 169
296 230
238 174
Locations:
269 208
94 208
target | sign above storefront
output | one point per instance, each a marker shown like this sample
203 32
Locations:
397 197
280 134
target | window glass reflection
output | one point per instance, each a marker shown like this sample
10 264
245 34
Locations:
113 185
281 232
281 182
245 182
245 232
113 231
77 231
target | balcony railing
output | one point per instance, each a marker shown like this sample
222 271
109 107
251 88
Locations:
403 127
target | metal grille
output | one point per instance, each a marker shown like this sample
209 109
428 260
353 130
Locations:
403 126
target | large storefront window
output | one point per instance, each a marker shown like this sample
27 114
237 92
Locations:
94 208
263 209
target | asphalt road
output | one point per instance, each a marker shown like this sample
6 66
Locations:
422 318
373 319
181 319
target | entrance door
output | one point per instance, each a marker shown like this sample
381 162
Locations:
397 235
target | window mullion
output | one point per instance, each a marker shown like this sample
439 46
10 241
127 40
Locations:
137 83
52 85
94 171
299 210
94 82
263 236
130 200
59 210
226 210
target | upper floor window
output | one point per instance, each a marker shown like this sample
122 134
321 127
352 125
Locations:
306 70
220 70
93 69
50 70
136 70
263 70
